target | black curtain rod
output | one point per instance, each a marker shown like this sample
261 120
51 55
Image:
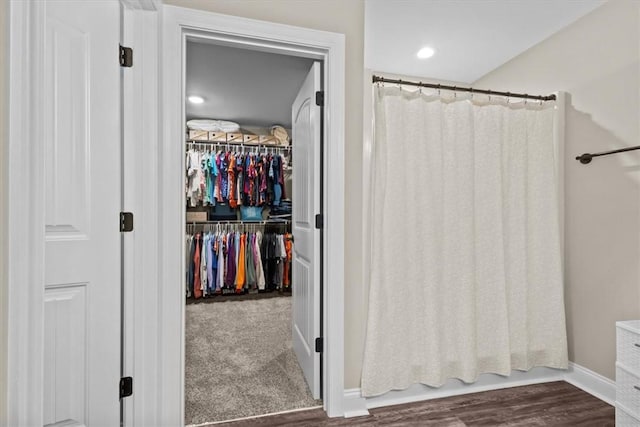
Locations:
379 79
587 157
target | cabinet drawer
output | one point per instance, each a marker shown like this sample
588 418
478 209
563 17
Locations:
625 420
628 351
628 390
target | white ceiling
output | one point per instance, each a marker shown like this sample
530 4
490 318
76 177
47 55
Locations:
249 87
471 37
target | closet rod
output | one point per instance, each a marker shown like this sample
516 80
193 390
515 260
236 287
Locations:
230 222
587 157
380 79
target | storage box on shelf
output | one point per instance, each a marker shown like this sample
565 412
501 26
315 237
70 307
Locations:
198 135
628 373
197 216
232 137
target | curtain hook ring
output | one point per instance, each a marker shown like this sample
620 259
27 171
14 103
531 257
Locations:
420 88
400 84
439 93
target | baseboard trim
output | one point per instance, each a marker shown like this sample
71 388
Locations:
595 384
356 405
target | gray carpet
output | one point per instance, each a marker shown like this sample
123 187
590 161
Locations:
240 362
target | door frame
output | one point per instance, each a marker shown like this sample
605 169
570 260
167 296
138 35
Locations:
180 23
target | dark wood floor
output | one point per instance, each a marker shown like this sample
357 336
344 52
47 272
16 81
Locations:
550 404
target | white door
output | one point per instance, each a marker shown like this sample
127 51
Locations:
81 92
306 204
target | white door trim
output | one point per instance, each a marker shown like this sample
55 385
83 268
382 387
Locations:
141 132
180 23
25 218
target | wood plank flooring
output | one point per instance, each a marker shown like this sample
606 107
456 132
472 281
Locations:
549 404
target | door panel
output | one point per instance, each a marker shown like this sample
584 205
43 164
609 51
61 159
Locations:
306 204
82 249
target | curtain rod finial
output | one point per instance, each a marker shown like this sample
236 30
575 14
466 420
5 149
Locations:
585 158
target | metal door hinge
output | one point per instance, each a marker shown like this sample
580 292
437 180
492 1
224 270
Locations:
126 387
126 56
320 98
319 345
319 221
126 221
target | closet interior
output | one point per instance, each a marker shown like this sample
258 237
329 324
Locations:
239 160
238 214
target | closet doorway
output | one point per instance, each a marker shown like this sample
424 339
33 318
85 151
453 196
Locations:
252 243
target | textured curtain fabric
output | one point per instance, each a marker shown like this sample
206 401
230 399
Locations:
466 274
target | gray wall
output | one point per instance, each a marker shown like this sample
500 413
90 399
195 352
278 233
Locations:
596 60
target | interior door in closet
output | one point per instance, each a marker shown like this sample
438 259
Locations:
307 122
82 203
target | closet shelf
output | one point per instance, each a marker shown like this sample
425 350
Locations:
202 135
237 144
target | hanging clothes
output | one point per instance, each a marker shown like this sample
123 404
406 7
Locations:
233 178
236 262
197 292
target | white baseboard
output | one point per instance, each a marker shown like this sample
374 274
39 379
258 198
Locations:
354 404
595 384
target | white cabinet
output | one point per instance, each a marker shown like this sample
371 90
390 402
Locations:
628 373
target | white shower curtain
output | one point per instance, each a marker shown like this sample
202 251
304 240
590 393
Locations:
466 274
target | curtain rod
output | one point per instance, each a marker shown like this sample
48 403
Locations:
587 157
379 79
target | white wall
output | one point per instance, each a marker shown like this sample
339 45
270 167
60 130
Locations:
4 39
596 60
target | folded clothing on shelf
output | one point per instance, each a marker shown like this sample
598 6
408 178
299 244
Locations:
282 210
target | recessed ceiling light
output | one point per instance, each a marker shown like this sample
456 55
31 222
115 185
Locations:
196 99
425 52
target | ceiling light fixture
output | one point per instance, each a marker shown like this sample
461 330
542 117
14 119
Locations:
196 99
425 52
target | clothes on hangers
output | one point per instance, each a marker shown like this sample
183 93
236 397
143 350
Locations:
236 178
237 262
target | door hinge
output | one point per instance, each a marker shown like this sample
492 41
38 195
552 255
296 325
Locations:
126 56
319 221
126 221
320 98
126 387
319 345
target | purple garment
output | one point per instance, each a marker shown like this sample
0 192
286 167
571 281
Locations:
230 278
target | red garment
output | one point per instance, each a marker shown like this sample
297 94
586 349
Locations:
288 245
233 202
197 292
